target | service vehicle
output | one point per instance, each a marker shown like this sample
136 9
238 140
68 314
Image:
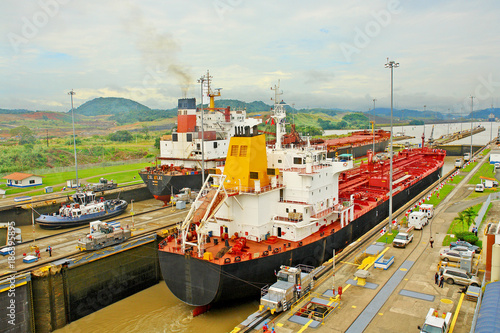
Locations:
103 234
291 284
435 324
428 209
417 220
468 245
479 188
402 239
459 163
497 166
467 157
103 185
453 275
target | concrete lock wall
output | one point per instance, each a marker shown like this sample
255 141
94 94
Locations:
95 285
48 299
21 313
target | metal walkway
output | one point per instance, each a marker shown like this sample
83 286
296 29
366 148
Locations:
360 324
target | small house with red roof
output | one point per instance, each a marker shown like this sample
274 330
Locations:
19 179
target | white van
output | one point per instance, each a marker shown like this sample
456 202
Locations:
417 220
459 163
428 209
479 188
466 156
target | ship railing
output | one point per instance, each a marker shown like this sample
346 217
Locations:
286 219
323 213
305 268
248 189
264 290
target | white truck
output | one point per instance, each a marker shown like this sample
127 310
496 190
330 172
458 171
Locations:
459 163
291 284
428 209
417 220
434 323
403 238
466 157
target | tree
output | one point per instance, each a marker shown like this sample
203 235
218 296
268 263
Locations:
145 130
462 219
470 214
26 136
124 136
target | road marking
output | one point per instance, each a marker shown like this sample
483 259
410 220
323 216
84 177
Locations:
452 326
305 326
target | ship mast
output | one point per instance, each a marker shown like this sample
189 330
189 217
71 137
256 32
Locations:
279 115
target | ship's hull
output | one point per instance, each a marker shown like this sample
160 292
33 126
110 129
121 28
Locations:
200 282
163 186
59 222
358 151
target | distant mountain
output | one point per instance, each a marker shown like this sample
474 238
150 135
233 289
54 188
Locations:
109 105
407 114
14 111
256 106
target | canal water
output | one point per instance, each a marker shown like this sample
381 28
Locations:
156 309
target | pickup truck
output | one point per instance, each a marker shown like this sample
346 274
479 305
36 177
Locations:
433 323
402 239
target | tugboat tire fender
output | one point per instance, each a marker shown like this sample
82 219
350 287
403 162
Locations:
237 259
265 253
227 260
276 250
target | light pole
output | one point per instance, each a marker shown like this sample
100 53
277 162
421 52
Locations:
491 124
202 80
424 123
71 93
373 125
448 123
471 121
132 212
391 65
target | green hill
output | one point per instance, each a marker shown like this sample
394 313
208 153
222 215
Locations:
109 105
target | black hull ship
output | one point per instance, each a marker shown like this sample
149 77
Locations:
282 206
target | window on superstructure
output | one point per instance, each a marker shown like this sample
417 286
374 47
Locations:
189 137
254 175
286 210
280 161
297 160
174 137
215 144
234 150
243 151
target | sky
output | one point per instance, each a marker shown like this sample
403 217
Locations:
325 53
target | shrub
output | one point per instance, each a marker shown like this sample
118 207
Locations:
471 239
466 236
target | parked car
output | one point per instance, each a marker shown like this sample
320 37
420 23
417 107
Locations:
468 245
479 188
454 275
451 255
497 165
463 249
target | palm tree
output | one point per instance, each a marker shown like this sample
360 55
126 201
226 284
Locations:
470 214
462 219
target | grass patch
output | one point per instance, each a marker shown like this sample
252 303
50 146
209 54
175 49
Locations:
448 239
119 173
487 191
457 179
469 167
486 170
387 238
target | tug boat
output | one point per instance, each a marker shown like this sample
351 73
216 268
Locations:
272 206
181 153
84 208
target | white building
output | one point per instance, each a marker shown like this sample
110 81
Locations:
19 179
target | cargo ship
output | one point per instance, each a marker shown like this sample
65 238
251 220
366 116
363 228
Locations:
180 162
273 206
